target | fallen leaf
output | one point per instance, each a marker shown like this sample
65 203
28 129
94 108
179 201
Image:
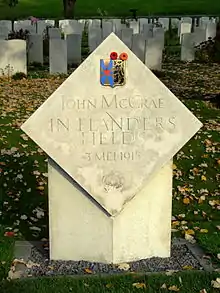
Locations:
173 288
189 232
187 267
88 271
203 178
170 272
40 187
203 291
109 285
9 234
124 266
186 200
203 231
190 238
216 283
164 286
139 285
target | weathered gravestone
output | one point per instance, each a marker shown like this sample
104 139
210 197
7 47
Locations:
188 47
13 57
111 140
58 56
35 49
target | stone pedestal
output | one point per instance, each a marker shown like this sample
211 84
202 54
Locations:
81 230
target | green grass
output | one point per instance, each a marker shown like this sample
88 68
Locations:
85 8
186 282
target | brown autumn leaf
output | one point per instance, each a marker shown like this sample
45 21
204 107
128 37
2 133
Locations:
190 232
88 271
40 187
186 200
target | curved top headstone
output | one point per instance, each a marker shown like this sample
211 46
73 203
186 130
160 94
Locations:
112 125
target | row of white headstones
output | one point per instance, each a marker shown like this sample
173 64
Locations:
145 39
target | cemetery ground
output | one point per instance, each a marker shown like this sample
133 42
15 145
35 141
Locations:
196 204
84 8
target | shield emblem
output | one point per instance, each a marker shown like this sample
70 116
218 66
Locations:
112 72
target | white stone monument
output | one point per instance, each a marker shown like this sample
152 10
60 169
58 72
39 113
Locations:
188 47
111 140
13 57
58 56
35 48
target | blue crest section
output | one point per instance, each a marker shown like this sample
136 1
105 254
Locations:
106 73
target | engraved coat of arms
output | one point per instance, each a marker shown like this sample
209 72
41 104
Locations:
112 70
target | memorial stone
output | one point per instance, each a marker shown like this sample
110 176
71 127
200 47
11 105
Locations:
126 36
7 24
138 46
142 22
154 53
148 30
58 56
199 35
184 28
107 29
94 38
13 57
188 47
35 48
54 33
74 43
210 30
135 26
110 143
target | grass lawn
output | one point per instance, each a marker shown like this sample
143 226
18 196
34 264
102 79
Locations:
85 8
192 282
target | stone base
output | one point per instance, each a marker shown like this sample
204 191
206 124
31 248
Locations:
81 230
36 254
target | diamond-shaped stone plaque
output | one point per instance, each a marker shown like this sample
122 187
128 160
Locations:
111 140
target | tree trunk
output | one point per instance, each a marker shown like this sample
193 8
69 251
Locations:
68 8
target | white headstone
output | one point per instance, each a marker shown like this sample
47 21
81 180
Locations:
135 26
71 26
175 22
7 24
199 35
94 38
138 46
117 143
126 36
148 30
41 27
74 43
13 57
3 32
165 23
210 30
159 33
35 49
107 29
50 22
188 47
54 33
142 22
154 53
116 24
58 56
184 28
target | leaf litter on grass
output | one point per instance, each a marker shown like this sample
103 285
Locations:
23 166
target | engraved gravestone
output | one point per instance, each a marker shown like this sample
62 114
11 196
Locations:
111 140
